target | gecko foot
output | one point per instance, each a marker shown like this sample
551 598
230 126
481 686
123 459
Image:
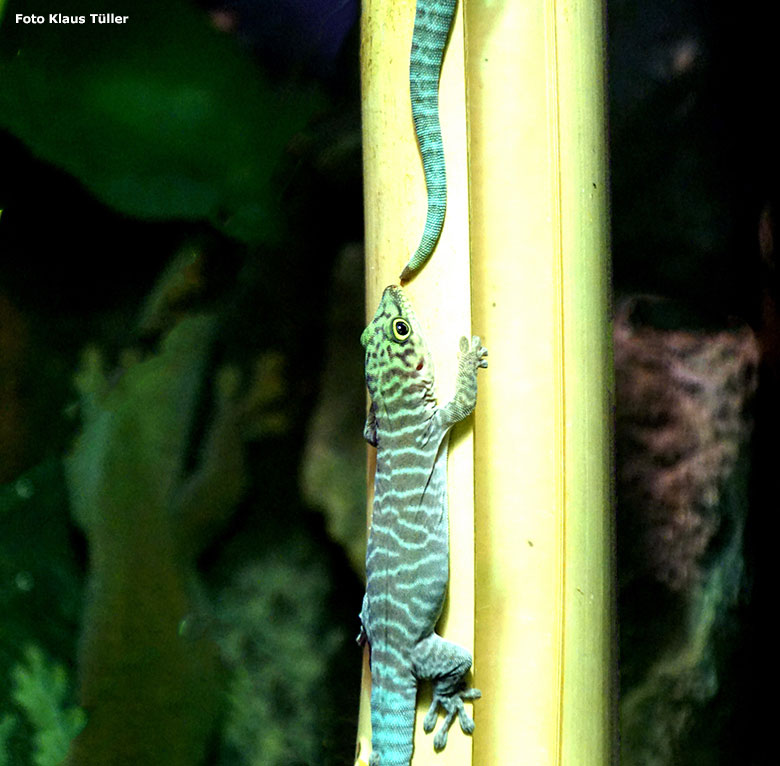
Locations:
452 704
473 354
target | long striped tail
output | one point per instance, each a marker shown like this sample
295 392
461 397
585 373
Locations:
432 22
392 715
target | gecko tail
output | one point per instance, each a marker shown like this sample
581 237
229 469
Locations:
436 182
433 226
392 726
432 23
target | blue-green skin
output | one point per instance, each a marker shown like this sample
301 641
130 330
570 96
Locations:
407 562
432 22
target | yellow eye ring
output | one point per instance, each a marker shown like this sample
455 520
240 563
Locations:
401 329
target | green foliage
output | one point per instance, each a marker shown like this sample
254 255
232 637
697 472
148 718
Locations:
161 117
8 721
39 690
38 569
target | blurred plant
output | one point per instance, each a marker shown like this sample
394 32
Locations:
8 721
684 390
155 124
152 477
278 641
40 690
334 442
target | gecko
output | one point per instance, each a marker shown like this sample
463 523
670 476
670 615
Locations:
407 560
432 22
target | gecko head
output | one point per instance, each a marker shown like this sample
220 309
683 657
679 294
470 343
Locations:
395 348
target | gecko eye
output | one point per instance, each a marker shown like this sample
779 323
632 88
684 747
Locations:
401 329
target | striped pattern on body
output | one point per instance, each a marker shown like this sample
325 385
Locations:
407 562
432 22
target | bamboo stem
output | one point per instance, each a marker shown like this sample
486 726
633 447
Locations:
539 243
528 201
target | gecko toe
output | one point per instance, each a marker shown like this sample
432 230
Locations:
453 706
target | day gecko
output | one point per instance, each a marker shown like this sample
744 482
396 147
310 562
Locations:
407 562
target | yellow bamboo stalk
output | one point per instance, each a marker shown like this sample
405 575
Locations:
530 197
395 203
539 243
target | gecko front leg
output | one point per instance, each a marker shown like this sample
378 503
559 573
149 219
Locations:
470 359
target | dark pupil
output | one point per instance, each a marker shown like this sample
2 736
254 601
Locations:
401 328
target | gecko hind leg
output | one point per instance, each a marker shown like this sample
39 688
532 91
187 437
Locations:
446 665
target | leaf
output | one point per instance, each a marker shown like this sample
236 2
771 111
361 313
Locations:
160 117
8 721
41 690
38 568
